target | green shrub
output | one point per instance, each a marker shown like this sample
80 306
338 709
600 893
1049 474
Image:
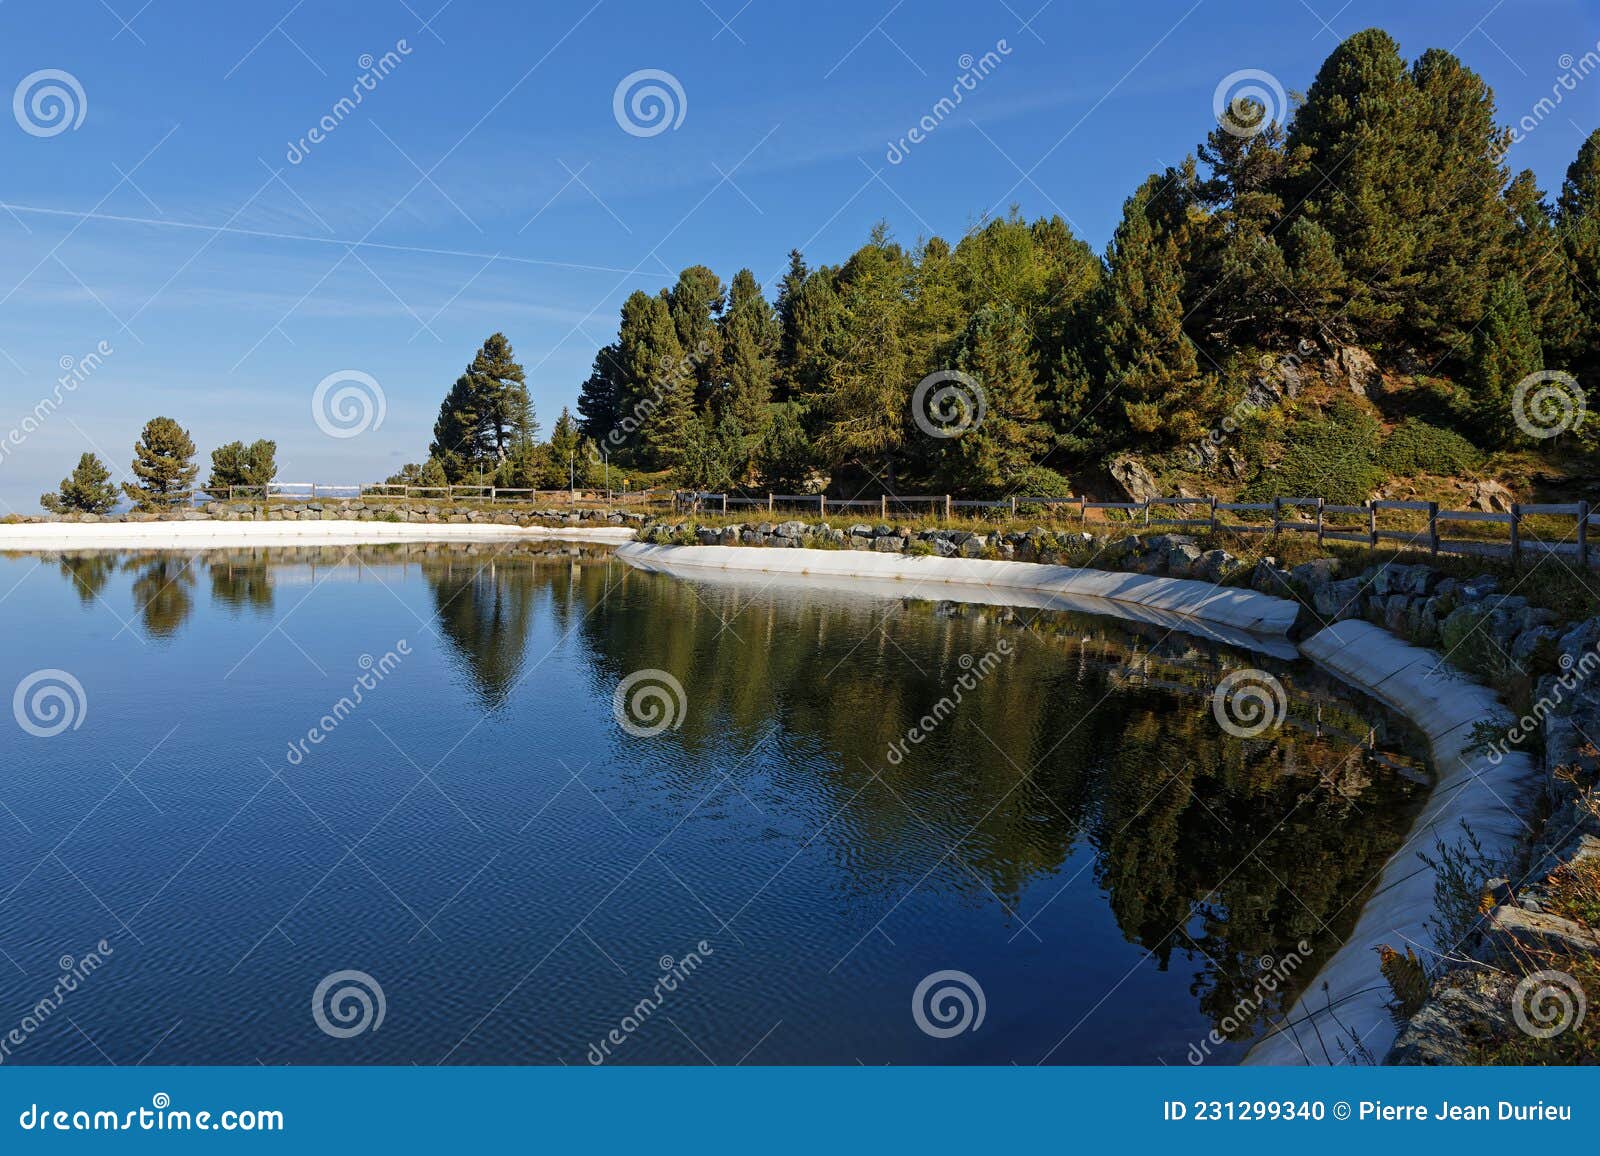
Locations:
1415 447
1039 482
919 548
1331 456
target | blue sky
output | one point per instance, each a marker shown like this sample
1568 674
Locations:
485 183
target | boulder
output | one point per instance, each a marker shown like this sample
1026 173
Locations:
1490 497
1133 478
1357 368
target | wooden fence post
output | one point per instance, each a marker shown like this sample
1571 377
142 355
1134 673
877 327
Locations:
1320 530
1147 511
1213 513
1433 528
769 503
1083 508
1277 515
947 507
1516 534
822 505
1583 534
724 503
1372 524
1013 505
883 506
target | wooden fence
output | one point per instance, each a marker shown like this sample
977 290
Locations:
1556 528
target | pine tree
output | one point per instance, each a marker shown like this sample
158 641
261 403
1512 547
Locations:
87 490
599 408
1546 272
657 380
996 351
565 444
747 345
163 463
501 393
1318 286
1153 366
254 467
458 432
1504 351
1578 218
696 302
789 290
1356 130
1462 230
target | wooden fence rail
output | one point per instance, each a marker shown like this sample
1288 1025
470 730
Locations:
1284 515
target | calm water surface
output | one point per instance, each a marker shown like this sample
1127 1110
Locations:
515 869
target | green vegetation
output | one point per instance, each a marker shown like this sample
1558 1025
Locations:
1377 325
236 464
87 490
163 463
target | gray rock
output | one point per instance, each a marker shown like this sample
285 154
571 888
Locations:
1517 930
973 546
888 544
1133 478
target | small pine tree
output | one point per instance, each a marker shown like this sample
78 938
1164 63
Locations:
87 490
564 451
163 463
252 466
1504 351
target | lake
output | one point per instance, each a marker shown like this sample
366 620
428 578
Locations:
256 789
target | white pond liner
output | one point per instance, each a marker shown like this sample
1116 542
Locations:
201 535
1490 797
1225 606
